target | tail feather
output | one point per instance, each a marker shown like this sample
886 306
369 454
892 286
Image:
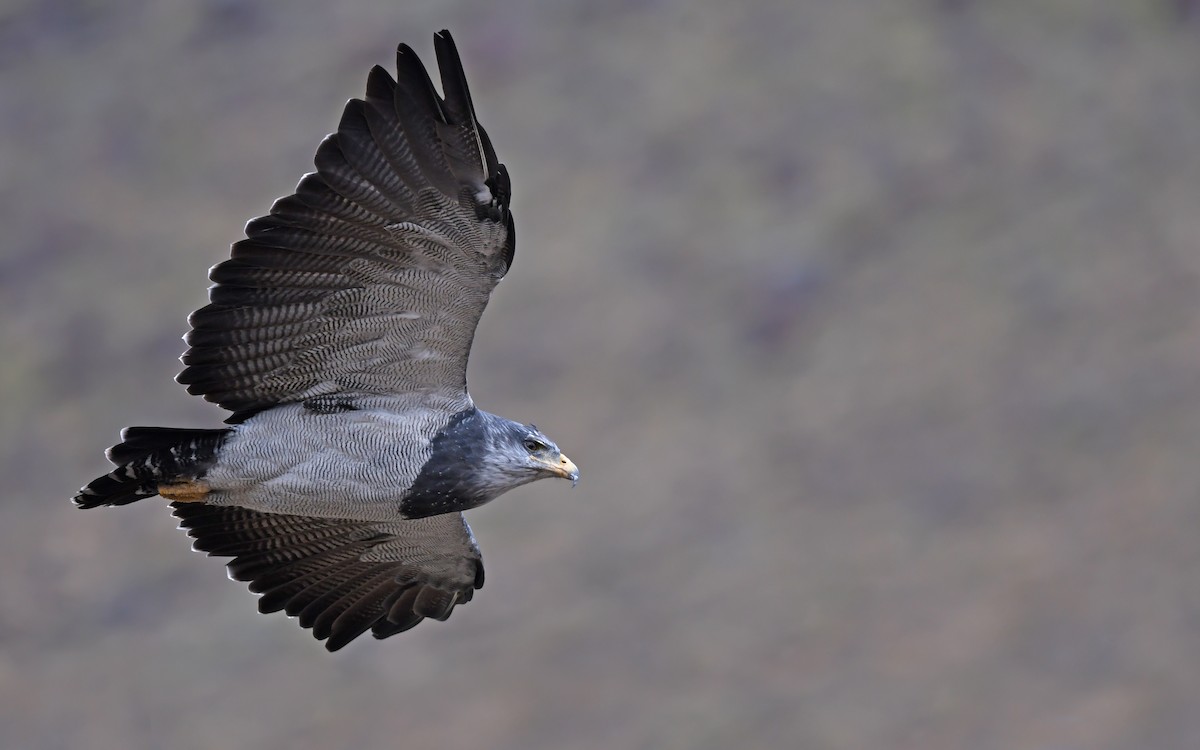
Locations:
149 456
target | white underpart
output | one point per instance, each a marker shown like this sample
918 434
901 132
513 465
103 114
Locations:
351 464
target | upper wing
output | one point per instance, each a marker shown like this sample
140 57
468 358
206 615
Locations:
342 578
372 277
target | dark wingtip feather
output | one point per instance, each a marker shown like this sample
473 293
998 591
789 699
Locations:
380 84
435 603
399 615
454 78
385 628
353 119
360 616
413 79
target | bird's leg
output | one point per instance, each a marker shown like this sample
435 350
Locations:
184 492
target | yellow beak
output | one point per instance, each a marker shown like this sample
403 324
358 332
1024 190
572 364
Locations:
563 467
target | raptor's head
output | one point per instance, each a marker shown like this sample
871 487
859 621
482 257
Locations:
517 454
480 456
529 453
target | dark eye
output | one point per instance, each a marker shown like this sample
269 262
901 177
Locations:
533 446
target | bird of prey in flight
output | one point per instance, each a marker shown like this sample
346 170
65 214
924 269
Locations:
337 334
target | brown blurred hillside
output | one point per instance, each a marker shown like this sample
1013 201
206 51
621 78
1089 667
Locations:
874 327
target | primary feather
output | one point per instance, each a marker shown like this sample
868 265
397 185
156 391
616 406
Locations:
371 278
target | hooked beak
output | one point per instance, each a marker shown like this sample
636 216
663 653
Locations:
563 467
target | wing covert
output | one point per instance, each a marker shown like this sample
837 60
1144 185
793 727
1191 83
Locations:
372 276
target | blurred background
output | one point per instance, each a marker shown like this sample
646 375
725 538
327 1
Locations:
872 325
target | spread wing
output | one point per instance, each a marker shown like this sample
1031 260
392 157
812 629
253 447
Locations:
371 278
343 578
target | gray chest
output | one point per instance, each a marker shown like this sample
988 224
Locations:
357 462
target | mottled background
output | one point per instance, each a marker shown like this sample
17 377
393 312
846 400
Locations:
873 326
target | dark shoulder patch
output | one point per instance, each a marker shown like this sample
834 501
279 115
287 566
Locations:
447 483
328 404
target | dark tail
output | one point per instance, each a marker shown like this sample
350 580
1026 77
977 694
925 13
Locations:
148 456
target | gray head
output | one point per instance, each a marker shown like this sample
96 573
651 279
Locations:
478 457
520 453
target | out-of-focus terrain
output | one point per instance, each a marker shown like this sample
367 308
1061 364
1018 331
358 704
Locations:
874 328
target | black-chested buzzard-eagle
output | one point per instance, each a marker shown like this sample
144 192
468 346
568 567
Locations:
338 333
